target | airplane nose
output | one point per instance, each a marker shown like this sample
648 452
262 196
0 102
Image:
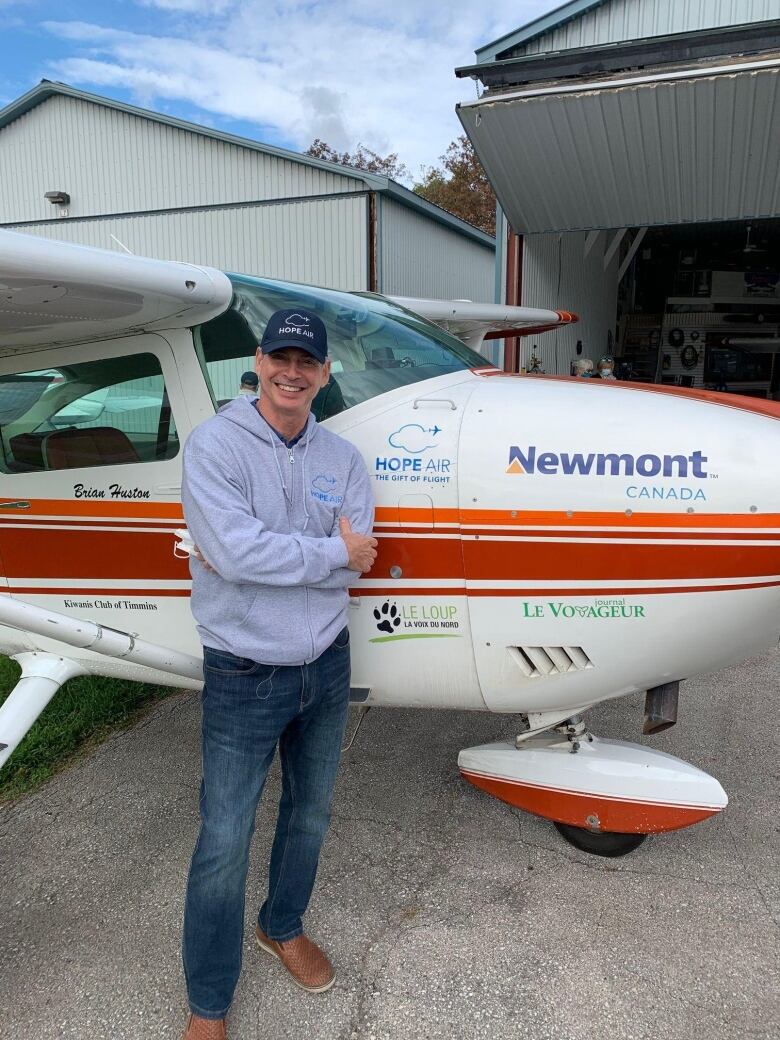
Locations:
628 527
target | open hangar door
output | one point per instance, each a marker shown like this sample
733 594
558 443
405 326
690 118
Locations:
700 306
604 158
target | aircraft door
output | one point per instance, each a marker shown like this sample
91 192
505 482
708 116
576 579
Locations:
411 634
90 484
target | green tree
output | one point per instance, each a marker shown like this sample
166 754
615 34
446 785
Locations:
460 186
361 159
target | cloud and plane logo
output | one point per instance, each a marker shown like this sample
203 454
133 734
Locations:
324 484
296 324
610 464
324 488
414 438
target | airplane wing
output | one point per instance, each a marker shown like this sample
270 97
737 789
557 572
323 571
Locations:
475 322
55 292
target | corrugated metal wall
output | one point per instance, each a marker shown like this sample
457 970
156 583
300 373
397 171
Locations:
557 274
320 241
419 257
112 162
637 19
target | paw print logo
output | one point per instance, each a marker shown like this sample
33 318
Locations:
387 618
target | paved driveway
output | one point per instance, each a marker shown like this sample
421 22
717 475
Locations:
447 913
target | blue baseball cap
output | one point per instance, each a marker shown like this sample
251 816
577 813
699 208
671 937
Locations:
296 327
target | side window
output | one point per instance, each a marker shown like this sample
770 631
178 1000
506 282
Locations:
96 413
228 347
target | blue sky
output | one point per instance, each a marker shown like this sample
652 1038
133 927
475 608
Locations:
280 71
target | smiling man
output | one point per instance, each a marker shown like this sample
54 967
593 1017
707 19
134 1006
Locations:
269 593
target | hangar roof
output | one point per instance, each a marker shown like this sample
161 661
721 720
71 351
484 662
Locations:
611 137
538 27
581 23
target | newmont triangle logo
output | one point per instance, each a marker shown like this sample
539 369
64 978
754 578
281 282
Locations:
609 464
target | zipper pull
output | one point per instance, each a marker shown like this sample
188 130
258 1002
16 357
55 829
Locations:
292 457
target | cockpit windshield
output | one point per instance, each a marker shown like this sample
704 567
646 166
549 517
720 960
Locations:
374 344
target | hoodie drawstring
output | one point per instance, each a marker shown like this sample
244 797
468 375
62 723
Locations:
303 477
268 435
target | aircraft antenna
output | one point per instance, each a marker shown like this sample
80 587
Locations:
130 251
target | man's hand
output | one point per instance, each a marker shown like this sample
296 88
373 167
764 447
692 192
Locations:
361 547
202 559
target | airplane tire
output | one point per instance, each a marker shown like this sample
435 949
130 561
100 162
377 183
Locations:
600 843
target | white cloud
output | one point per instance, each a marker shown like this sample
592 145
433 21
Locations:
340 70
207 7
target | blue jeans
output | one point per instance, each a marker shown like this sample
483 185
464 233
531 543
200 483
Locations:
247 709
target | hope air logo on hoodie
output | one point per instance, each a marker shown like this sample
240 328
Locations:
525 461
323 488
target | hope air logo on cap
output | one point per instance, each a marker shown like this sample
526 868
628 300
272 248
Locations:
295 324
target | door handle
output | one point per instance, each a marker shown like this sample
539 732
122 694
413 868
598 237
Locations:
14 505
434 400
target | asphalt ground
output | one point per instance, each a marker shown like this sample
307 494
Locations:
446 913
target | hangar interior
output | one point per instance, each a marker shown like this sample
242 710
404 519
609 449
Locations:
634 148
699 306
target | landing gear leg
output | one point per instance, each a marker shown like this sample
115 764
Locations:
586 839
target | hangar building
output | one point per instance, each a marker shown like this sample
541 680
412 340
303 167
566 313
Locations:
87 169
634 146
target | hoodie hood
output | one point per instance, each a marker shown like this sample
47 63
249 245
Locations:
246 415
243 412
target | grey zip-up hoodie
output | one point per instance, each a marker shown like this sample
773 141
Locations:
266 517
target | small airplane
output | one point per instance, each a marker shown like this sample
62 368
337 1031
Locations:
545 543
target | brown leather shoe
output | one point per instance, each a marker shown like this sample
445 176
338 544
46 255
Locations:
305 961
204 1028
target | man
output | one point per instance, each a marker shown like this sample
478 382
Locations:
249 384
271 500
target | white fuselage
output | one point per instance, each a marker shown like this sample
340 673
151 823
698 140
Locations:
543 544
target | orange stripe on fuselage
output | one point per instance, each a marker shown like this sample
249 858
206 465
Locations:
69 590
172 512
759 405
518 592
553 560
559 518
550 552
121 510
61 554
547 533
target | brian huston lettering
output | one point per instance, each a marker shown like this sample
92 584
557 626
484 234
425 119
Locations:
112 491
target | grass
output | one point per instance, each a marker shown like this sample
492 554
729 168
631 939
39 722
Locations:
80 715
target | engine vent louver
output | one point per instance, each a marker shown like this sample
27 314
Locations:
537 661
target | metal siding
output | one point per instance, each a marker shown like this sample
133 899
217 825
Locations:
319 241
112 162
558 275
420 257
695 150
637 19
